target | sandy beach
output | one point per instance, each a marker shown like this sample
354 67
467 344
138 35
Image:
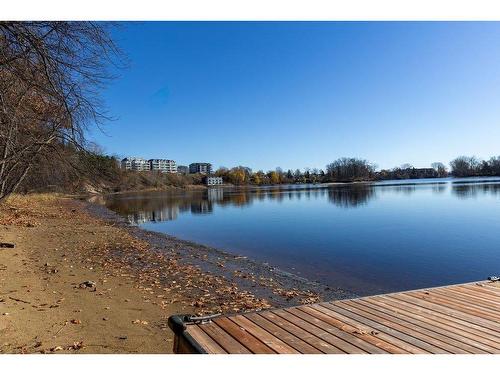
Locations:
80 280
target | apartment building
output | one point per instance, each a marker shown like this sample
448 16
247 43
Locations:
182 169
203 168
212 181
162 165
135 164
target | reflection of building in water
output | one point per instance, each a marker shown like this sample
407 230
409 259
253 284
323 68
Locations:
201 207
168 213
215 194
184 207
136 218
164 214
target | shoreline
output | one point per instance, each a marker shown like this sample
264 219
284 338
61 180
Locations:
228 185
227 264
380 182
137 280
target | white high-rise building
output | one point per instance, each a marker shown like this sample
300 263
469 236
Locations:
162 165
135 164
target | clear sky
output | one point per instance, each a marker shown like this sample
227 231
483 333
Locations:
301 94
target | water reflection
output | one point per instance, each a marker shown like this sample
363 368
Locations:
367 238
351 196
467 190
165 206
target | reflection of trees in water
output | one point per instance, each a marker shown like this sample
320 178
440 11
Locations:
410 188
406 189
350 196
438 188
465 191
242 198
161 206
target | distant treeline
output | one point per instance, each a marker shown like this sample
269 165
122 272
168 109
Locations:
465 166
355 169
86 171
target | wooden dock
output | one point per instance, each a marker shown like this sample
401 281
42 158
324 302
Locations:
458 319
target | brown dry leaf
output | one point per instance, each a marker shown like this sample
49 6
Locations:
77 345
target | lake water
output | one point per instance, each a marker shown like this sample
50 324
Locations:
367 238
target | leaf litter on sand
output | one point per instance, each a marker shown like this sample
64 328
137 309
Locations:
164 277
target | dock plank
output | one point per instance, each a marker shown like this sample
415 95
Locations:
477 321
242 336
364 329
468 299
295 342
413 327
332 335
311 339
320 322
271 341
476 295
477 332
208 344
225 340
483 318
353 331
459 319
468 341
387 327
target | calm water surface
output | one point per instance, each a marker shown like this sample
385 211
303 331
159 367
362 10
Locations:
367 238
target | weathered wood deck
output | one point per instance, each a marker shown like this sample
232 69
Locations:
460 318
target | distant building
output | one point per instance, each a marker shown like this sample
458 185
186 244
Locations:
126 163
212 181
182 169
203 168
135 164
162 165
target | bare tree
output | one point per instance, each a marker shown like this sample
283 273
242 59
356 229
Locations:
440 168
51 75
350 169
406 166
465 166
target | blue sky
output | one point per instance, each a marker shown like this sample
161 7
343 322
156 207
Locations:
301 94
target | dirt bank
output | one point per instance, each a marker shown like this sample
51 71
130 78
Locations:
63 248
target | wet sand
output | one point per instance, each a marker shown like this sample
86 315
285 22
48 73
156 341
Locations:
64 247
